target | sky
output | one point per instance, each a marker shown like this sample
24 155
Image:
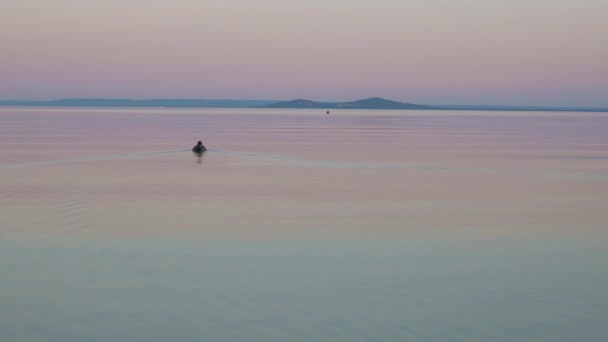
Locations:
503 52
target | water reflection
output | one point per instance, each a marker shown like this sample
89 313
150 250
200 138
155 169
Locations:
332 228
199 156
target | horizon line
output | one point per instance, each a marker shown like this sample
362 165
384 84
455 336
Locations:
602 108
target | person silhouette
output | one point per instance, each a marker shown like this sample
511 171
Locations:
199 148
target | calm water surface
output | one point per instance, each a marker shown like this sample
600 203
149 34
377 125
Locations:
302 226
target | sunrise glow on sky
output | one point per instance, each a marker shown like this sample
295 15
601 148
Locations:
534 52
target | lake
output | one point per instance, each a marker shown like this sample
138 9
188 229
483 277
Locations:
361 225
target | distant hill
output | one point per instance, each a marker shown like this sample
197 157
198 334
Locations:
371 103
140 103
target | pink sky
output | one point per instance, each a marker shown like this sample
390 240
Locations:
534 52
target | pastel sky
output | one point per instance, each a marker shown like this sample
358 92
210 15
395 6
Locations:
518 52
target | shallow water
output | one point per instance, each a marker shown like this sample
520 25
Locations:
297 225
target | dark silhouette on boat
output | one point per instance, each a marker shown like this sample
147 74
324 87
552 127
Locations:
199 148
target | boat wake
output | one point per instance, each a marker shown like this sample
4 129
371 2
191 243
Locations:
308 163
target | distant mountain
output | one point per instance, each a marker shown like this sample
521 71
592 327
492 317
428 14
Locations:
140 103
371 103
